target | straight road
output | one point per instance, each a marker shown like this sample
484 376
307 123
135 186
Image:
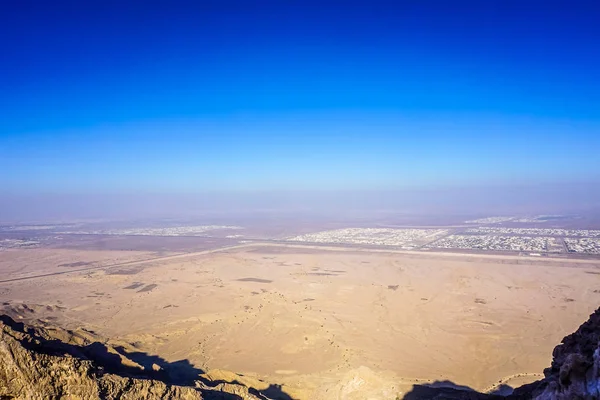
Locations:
566 262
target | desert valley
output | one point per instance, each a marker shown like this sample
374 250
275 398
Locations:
317 320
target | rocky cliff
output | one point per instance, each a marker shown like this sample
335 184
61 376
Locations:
575 369
573 375
40 363
43 363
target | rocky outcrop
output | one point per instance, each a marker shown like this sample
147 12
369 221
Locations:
573 375
32 367
575 369
50 363
38 363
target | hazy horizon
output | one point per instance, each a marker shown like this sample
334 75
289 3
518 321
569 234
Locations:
270 97
469 200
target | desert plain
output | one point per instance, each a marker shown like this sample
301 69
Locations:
323 322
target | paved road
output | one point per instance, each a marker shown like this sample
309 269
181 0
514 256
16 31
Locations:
564 262
129 263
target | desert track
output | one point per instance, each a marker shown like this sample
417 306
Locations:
527 260
124 264
317 317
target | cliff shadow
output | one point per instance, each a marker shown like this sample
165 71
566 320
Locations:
447 390
111 360
275 392
181 372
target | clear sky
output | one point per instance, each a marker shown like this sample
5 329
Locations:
188 96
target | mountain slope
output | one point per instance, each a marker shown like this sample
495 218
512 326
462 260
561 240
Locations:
34 364
50 363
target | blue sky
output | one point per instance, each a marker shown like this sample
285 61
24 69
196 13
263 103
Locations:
195 96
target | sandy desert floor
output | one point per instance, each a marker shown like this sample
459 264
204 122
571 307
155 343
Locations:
326 323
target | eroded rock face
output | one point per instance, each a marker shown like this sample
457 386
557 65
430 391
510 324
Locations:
574 373
31 368
35 365
51 363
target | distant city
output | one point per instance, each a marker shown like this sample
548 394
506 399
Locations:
534 219
200 230
18 243
534 241
537 231
499 243
496 238
585 245
406 238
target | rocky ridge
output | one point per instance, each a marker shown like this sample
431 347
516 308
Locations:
575 369
39 362
573 375
51 363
